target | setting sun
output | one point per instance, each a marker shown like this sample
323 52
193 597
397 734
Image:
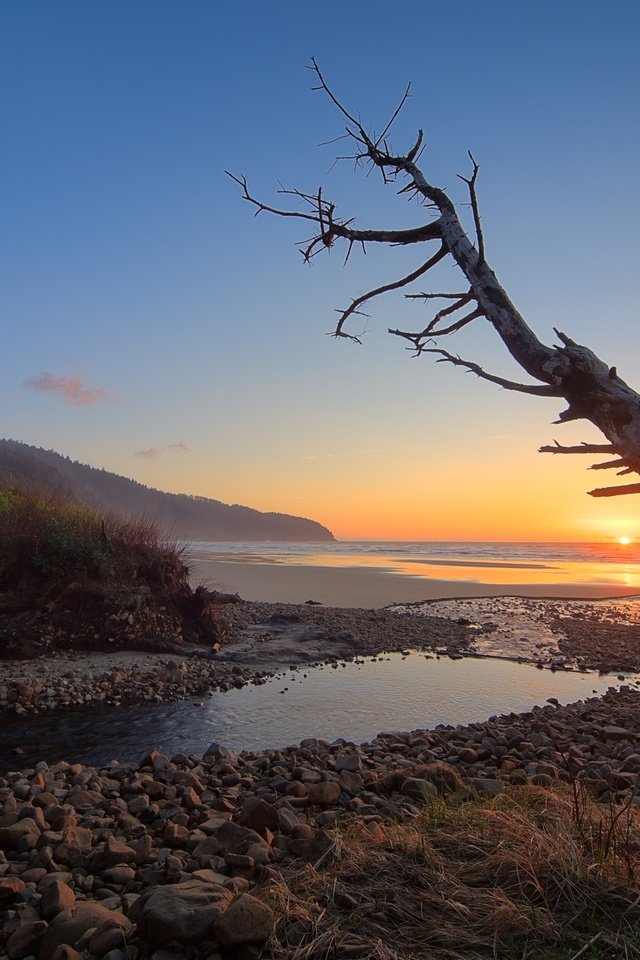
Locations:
624 540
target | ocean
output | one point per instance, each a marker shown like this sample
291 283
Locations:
603 566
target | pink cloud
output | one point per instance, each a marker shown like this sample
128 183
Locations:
73 390
152 453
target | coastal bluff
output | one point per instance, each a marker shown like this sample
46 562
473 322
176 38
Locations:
183 517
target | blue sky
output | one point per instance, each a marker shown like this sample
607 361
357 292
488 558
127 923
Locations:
130 264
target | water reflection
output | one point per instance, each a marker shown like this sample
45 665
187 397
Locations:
490 563
355 700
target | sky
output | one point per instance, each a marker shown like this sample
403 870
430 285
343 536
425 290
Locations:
154 327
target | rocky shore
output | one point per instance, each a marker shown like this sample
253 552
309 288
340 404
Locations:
260 639
178 857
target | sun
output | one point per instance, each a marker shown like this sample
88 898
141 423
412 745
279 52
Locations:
624 540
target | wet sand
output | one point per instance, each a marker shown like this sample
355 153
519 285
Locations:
369 588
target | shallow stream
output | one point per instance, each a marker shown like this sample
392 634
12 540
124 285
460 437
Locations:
353 700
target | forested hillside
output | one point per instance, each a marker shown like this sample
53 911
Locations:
185 517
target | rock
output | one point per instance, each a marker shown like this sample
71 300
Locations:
287 820
350 762
65 952
69 926
218 753
112 934
185 912
9 888
258 815
25 941
261 853
56 897
350 782
247 920
228 837
120 875
11 835
617 733
486 788
116 853
443 776
310 850
76 844
323 794
175 835
418 789
239 860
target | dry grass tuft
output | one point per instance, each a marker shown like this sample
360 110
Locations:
512 877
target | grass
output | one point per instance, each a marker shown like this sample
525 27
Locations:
512 877
48 538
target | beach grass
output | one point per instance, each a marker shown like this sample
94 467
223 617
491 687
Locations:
517 876
48 537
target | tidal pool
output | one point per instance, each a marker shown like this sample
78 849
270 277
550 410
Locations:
355 700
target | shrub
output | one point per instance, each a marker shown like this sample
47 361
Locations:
49 537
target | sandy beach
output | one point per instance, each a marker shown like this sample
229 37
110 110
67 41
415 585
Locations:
369 588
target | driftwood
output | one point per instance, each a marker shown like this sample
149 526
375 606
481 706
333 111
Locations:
591 388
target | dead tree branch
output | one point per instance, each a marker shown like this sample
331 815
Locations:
591 388
581 448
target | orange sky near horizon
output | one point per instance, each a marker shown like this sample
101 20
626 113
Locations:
524 497
157 329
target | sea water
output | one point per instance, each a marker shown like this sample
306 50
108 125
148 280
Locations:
605 564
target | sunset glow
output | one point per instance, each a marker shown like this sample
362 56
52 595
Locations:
176 339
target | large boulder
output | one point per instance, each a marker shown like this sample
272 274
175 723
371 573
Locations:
184 912
10 836
71 924
258 815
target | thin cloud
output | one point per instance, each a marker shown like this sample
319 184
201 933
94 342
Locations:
153 453
73 390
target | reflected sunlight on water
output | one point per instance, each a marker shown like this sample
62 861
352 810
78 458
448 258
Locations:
612 564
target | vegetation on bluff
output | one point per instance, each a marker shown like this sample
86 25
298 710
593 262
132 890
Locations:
70 576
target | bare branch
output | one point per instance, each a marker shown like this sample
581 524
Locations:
429 333
447 311
263 206
615 491
608 465
581 448
435 296
394 285
323 86
458 325
471 183
397 110
330 227
533 389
